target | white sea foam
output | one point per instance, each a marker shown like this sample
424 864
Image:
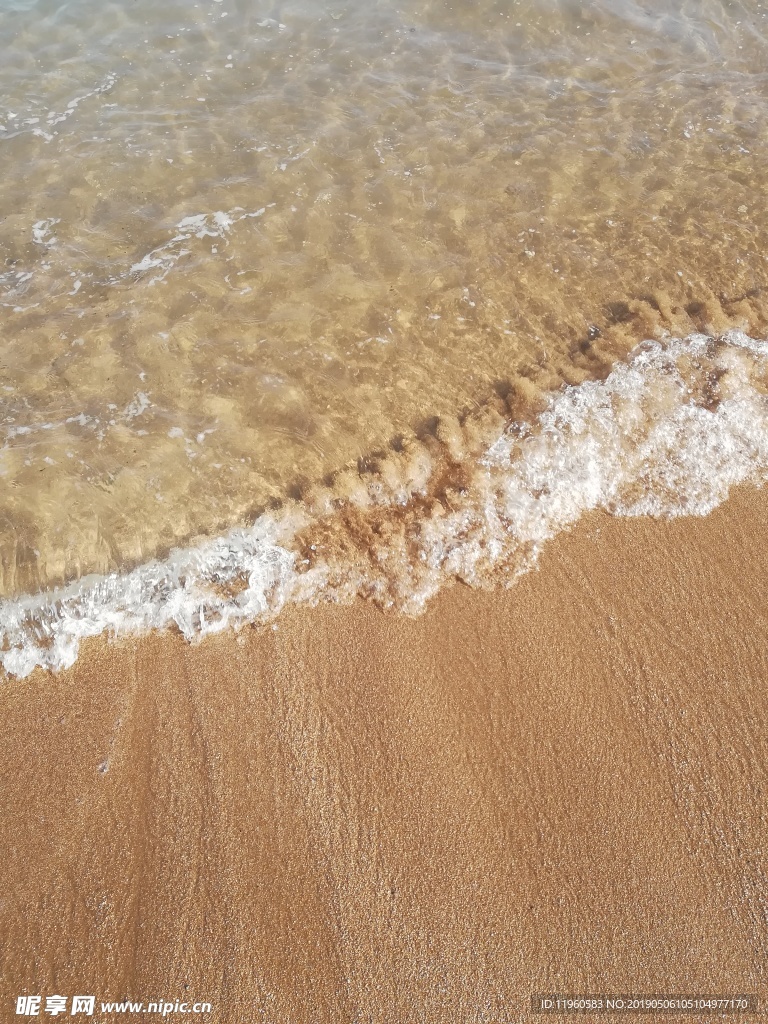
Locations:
55 117
198 225
41 231
668 433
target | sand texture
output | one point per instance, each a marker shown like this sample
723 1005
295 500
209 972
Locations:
362 817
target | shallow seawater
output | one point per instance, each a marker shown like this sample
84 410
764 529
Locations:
246 244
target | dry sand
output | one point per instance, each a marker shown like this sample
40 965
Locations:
362 817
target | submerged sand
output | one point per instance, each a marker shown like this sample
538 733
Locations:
365 817
240 254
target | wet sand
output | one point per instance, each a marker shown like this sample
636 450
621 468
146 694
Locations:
365 817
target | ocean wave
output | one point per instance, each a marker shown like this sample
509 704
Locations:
667 433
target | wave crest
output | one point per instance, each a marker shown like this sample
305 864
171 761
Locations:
667 433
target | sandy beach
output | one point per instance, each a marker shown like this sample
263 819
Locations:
358 816
383 509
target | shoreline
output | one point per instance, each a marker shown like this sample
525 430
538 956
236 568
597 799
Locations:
363 816
668 433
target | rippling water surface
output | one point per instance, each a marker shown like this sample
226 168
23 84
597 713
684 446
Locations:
244 244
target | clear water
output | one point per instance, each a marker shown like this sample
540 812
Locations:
246 245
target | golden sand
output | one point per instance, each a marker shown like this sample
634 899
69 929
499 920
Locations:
365 817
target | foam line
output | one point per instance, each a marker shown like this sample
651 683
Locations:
667 433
